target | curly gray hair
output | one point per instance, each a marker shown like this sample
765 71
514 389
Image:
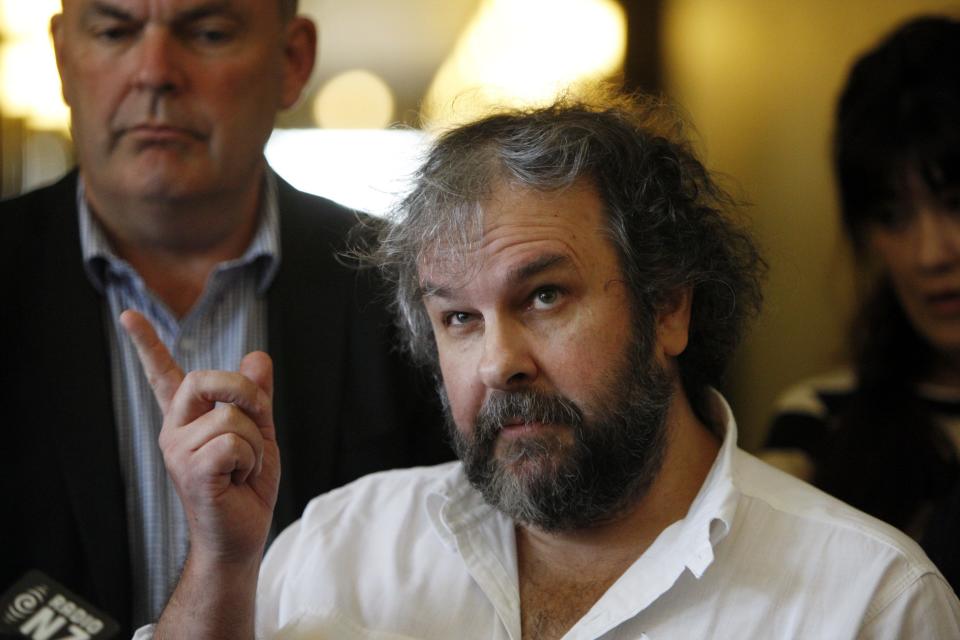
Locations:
665 216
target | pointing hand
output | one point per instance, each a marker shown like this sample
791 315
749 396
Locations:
219 445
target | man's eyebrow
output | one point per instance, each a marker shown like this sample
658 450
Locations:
103 9
99 8
515 276
428 289
537 266
214 7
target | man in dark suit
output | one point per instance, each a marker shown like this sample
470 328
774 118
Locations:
173 211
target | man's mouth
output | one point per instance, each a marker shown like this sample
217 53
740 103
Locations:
520 428
159 133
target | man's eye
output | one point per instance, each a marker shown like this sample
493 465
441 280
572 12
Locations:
546 297
457 318
116 33
211 36
212 31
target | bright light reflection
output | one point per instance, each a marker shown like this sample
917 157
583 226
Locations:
524 52
29 83
362 169
27 19
30 86
356 99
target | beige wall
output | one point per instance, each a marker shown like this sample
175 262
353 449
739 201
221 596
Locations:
759 79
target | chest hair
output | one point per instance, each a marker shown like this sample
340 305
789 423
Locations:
549 606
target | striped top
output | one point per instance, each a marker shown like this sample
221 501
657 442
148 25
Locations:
802 436
803 413
228 321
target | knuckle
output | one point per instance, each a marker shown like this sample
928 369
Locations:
153 379
228 413
232 441
223 445
232 445
193 379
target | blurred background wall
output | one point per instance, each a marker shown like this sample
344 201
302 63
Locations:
758 79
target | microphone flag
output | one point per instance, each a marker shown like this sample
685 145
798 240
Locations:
40 608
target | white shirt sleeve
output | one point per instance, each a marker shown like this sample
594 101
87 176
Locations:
927 608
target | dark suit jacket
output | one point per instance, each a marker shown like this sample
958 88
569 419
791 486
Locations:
346 402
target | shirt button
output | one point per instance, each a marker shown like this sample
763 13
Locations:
186 344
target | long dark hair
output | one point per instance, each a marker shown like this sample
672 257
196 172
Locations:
899 112
887 456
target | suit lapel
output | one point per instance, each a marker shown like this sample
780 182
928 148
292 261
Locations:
306 338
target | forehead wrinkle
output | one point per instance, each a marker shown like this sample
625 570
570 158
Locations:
569 240
200 9
203 10
516 275
524 271
102 8
557 239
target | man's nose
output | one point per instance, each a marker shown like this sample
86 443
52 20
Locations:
159 67
937 238
507 362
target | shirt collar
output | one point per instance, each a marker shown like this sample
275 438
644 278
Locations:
711 514
456 506
98 255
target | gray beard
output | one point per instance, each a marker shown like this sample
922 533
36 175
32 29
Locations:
554 484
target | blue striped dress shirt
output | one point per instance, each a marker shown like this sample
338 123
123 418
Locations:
228 321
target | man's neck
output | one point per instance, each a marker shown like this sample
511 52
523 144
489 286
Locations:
563 574
179 279
175 245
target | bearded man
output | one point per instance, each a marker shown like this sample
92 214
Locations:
570 275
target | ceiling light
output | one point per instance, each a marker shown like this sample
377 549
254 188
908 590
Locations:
355 99
526 52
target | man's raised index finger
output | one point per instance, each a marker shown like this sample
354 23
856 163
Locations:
161 369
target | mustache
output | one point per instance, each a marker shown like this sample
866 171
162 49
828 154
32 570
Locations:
505 407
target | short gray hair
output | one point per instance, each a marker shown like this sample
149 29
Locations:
665 215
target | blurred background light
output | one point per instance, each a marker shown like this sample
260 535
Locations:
20 18
525 52
367 170
356 99
29 84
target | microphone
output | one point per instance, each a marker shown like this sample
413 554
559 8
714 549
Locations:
40 608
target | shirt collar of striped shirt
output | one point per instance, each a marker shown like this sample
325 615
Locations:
264 249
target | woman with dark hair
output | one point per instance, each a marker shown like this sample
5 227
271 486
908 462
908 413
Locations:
885 435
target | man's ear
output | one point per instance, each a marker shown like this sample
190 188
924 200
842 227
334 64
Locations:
673 322
300 55
56 32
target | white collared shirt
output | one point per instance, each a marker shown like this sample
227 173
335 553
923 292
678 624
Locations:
417 553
